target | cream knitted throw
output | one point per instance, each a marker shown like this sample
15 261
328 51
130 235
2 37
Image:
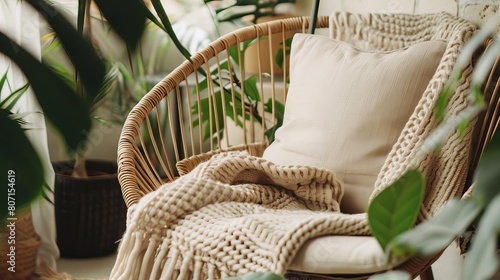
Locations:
236 214
232 215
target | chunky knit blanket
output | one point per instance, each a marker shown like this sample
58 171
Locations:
232 215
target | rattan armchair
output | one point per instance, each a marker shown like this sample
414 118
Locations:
164 129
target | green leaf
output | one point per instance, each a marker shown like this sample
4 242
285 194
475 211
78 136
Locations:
205 115
259 276
107 86
59 102
251 90
442 102
280 57
395 209
167 26
3 79
89 66
10 101
126 17
462 126
203 85
17 154
233 50
80 18
477 95
279 115
482 261
46 189
19 118
392 275
437 233
487 176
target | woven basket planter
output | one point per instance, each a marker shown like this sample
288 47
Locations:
26 245
90 212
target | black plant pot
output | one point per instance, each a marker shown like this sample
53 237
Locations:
90 213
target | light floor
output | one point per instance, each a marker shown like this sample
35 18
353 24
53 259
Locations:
448 267
94 268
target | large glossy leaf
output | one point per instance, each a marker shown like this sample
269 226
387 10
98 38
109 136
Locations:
167 26
487 176
251 90
482 261
395 209
437 233
61 106
90 68
19 160
126 17
209 121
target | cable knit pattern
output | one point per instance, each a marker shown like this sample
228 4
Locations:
231 215
236 213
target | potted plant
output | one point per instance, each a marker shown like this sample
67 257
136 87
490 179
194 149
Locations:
89 208
18 234
67 108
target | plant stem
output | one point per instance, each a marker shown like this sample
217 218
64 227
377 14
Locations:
79 170
314 16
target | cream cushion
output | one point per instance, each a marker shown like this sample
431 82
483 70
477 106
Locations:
346 108
341 255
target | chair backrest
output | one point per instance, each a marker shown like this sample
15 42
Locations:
178 118
186 115
446 170
489 120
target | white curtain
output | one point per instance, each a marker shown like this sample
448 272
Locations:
21 23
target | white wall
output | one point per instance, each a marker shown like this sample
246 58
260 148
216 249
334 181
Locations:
474 10
477 11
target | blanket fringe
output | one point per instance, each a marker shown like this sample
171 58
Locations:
166 229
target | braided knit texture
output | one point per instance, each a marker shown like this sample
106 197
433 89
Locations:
231 215
445 171
235 213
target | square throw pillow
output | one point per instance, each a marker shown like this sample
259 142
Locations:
346 108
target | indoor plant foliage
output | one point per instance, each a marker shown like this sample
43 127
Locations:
71 114
255 9
68 102
393 212
251 107
480 210
234 70
90 211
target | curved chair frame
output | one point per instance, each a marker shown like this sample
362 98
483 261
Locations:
159 132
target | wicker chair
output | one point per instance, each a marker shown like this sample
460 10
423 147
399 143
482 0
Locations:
162 130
